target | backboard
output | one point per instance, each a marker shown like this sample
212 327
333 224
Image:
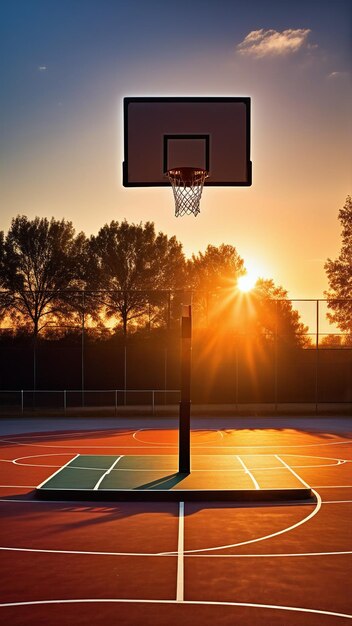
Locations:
207 133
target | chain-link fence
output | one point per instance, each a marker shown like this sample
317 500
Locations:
246 352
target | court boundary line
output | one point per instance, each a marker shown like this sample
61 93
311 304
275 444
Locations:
188 602
174 554
59 470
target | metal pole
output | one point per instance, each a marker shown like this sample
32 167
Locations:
82 348
184 451
165 374
65 402
168 310
22 402
153 403
317 358
276 348
236 371
34 365
125 374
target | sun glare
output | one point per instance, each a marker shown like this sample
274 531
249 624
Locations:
247 282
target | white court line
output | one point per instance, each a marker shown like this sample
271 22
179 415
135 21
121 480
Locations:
256 540
314 456
189 602
180 550
338 462
248 472
18 486
174 554
292 471
82 552
270 556
265 537
160 447
336 501
332 486
59 470
36 456
166 469
107 473
167 444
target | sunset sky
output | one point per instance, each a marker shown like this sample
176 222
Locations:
67 64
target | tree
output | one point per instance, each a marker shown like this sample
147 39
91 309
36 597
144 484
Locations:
212 276
134 265
336 341
274 316
216 268
4 297
339 273
40 259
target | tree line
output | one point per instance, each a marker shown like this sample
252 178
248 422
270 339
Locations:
129 276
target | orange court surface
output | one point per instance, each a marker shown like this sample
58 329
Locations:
170 563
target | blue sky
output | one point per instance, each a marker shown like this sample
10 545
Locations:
66 65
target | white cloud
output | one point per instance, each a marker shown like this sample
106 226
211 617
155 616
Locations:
42 68
337 75
260 43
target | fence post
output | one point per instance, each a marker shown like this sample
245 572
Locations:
165 374
317 358
169 310
125 374
82 346
236 373
276 348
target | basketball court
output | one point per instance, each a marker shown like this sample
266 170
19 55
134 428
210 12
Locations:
223 562
219 521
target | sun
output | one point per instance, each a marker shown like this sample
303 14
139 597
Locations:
247 282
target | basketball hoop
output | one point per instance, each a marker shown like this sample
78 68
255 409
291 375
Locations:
187 185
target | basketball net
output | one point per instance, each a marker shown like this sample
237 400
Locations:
187 186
